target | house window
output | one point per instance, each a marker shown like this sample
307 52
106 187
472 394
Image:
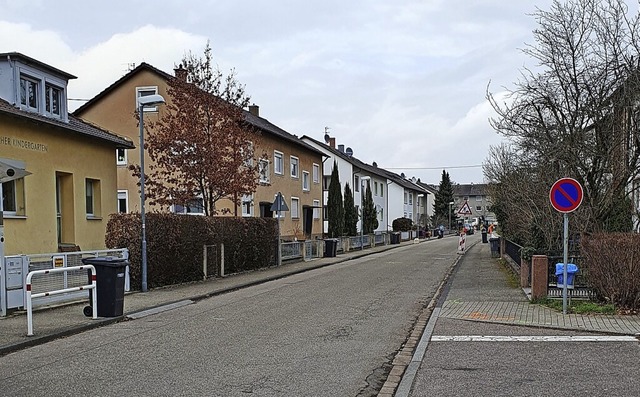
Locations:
92 197
295 213
9 198
410 198
264 170
326 181
316 209
405 200
305 181
278 163
52 100
121 156
325 212
193 207
478 208
466 198
381 212
356 183
478 198
247 205
29 93
316 173
381 190
294 167
146 91
375 188
123 201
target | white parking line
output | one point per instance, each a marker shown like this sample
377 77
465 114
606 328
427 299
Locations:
536 338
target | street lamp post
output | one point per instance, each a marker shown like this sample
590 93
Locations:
362 184
450 204
144 101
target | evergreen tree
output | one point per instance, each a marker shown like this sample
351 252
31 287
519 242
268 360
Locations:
335 209
350 213
441 208
370 215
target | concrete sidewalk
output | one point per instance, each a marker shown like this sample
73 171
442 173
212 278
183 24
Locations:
480 291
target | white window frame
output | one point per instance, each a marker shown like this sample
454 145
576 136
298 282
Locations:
247 205
185 209
305 181
478 198
316 173
278 162
48 100
30 80
295 208
478 208
263 169
144 91
90 196
123 195
294 166
124 161
316 209
356 183
375 188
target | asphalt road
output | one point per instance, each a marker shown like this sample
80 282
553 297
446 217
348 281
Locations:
328 332
531 368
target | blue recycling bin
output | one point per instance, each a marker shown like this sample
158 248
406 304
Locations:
572 269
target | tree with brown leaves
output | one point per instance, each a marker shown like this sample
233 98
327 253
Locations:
202 148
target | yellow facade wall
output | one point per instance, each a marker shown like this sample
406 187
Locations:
115 112
57 151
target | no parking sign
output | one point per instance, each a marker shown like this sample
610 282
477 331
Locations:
566 195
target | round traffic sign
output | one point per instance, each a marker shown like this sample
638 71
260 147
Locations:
566 195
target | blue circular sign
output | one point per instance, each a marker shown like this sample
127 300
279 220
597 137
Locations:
566 195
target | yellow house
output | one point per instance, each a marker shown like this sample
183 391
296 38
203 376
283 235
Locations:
64 201
293 167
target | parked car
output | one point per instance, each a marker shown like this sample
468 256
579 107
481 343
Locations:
468 229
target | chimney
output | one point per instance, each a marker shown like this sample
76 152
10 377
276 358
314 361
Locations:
332 142
254 110
341 148
180 72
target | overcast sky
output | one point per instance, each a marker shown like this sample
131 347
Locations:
401 82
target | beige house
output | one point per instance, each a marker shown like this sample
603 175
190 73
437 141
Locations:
64 201
293 167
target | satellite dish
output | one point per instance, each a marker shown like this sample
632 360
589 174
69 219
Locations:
327 138
349 152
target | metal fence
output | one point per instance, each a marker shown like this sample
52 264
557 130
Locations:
581 287
512 250
64 280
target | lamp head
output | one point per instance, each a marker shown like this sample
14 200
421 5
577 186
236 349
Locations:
150 100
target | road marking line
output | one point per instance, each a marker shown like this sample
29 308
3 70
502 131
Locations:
532 338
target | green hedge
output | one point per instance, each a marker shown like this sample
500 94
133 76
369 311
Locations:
175 244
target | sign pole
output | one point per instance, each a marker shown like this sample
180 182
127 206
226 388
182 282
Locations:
565 260
565 195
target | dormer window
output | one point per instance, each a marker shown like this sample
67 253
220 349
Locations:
29 93
48 101
52 102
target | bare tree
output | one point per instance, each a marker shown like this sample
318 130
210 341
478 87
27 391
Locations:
574 115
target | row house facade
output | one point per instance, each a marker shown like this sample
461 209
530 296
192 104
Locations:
59 178
292 167
473 203
393 195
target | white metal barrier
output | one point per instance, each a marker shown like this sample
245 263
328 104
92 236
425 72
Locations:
29 296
